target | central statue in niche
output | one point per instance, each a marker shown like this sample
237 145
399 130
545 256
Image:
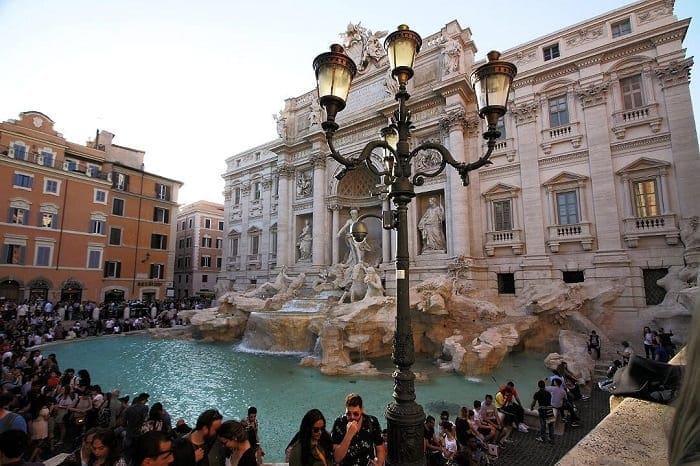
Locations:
356 251
430 227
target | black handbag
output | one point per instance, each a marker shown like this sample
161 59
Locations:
647 379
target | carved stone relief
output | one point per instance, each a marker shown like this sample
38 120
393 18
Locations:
675 73
593 94
525 113
305 186
585 35
363 46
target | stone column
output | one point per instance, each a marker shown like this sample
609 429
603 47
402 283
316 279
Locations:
334 229
607 218
285 242
456 195
244 240
666 207
675 79
318 251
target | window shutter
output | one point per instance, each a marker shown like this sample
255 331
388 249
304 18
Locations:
155 214
166 216
105 269
153 271
5 254
9 215
54 222
119 270
21 254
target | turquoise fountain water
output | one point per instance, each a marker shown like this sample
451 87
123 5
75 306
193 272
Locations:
189 377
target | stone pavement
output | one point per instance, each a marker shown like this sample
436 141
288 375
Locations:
525 450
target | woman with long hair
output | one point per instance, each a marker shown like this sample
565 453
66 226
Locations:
105 449
312 445
684 441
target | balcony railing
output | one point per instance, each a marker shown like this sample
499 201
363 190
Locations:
504 147
660 225
646 115
254 261
570 133
504 239
574 233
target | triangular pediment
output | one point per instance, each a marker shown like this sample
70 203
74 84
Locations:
501 188
234 232
565 177
643 163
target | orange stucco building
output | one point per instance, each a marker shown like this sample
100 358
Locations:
83 222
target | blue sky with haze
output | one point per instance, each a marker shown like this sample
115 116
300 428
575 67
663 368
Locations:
193 83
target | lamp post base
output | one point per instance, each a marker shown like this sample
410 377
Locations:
405 429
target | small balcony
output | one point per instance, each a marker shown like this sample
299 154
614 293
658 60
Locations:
233 263
646 115
660 225
570 133
504 239
503 147
574 233
254 261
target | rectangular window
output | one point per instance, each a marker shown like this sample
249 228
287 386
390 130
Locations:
654 293
621 28
118 207
46 159
48 220
189 223
163 191
255 244
18 216
70 165
94 258
100 196
20 151
113 269
236 196
506 283
550 52
13 254
188 261
567 208
115 236
632 92
273 242
221 225
51 186
218 262
205 278
157 271
501 127
159 241
573 276
161 215
219 243
206 242
502 216
188 242
23 181
182 226
207 223
646 200
558 111
120 181
257 190
43 256
97 227
205 261
234 246
181 243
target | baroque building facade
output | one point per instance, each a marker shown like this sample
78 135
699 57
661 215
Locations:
594 175
199 242
84 222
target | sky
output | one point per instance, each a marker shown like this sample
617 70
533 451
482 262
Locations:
194 82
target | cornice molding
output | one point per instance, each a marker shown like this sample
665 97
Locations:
662 139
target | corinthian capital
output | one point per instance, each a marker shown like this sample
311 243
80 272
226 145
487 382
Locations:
285 170
318 160
593 94
525 112
674 73
453 118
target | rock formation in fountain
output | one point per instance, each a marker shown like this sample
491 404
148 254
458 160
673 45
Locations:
459 326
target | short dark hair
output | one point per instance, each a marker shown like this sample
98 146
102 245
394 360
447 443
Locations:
429 418
252 410
148 446
6 399
207 418
540 383
487 396
353 399
233 430
13 443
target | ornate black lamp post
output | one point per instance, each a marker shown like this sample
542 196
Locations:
334 73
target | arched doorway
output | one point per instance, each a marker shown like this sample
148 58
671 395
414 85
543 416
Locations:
72 292
39 289
9 290
114 296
